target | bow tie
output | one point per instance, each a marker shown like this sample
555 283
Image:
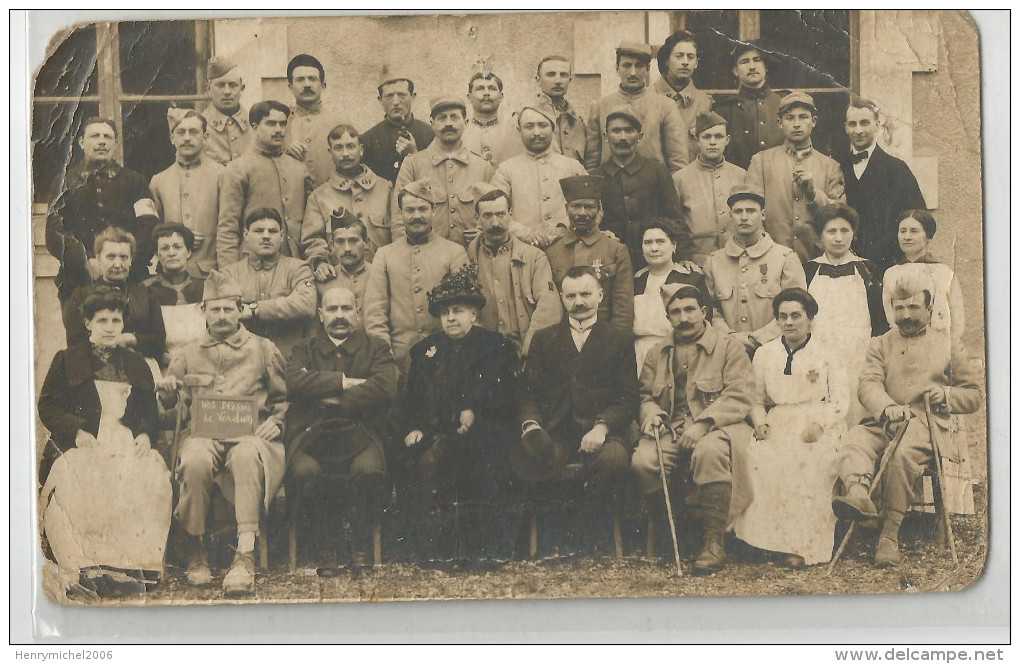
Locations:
858 157
836 271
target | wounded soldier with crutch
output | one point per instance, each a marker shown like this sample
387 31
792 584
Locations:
911 372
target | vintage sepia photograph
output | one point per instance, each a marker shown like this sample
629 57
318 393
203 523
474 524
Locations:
336 309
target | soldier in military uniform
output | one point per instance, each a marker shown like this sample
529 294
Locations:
570 135
751 112
93 195
487 134
399 133
230 134
677 61
310 121
749 271
451 168
348 256
584 244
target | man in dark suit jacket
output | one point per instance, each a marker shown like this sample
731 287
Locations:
341 383
879 186
579 389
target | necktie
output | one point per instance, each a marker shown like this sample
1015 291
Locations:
836 271
788 370
858 157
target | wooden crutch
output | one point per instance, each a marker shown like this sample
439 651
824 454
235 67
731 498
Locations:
889 451
669 504
943 513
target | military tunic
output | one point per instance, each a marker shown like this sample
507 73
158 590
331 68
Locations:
703 191
190 195
665 135
691 102
753 120
744 280
229 137
533 184
452 175
261 179
612 265
570 134
380 145
367 196
310 127
495 141
355 281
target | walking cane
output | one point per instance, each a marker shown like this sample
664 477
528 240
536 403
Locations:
889 451
175 444
944 515
669 504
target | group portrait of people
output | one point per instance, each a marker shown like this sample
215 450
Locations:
513 328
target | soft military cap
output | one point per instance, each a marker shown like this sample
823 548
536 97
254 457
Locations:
670 292
542 104
421 189
341 218
797 99
447 101
628 113
637 49
911 281
387 75
219 286
219 66
707 121
582 187
175 116
745 191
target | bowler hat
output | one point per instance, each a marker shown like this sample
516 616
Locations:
744 191
458 287
537 457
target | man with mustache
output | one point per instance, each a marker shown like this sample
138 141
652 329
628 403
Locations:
227 361
532 179
749 271
665 137
696 391
352 187
231 134
515 277
583 244
486 134
188 192
677 61
348 256
907 366
796 178
404 271
451 168
636 188
341 384
570 134
751 111
263 177
93 195
310 121
277 291
144 330
399 133
704 184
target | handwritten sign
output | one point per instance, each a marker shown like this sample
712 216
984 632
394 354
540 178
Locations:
224 418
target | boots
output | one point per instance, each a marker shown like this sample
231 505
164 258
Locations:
714 508
240 578
856 504
198 572
887 554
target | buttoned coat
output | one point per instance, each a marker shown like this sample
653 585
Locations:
703 192
611 261
599 383
310 127
367 196
229 136
665 134
536 300
452 175
396 298
380 145
788 213
496 142
258 179
719 388
570 136
356 282
690 102
142 317
533 184
744 280
191 196
752 117
285 293
316 369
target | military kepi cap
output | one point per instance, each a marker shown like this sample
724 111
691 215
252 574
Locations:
797 99
707 121
745 191
219 66
218 286
582 187
628 113
636 49
447 101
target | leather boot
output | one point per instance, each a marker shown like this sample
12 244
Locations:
714 508
198 572
240 578
855 504
888 552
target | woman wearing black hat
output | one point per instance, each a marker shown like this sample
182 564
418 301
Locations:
459 416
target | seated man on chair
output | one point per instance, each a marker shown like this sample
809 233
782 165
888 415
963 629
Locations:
696 389
905 367
341 384
228 361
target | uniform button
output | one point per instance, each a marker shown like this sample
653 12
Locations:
187 175
284 199
545 198
358 199
186 195
452 210
743 269
99 190
308 140
419 309
236 155
796 216
283 180
763 143
417 289
743 319
100 204
743 301
796 198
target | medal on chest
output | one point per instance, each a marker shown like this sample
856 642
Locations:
597 266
